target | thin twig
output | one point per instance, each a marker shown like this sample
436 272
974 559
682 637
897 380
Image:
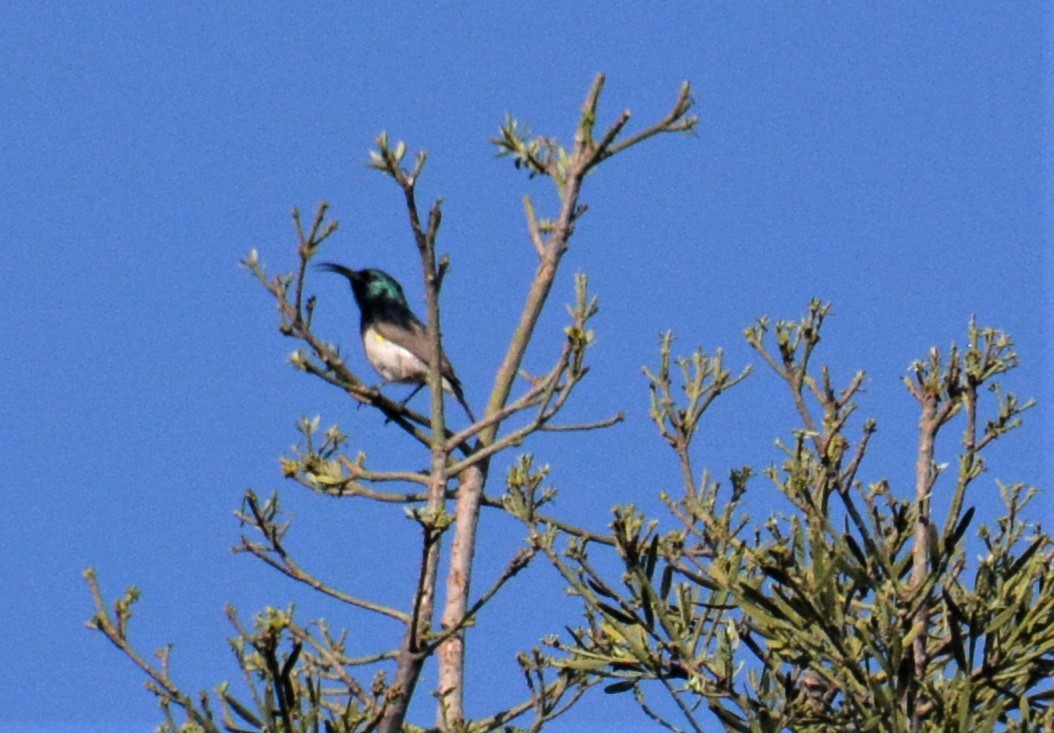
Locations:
292 570
605 423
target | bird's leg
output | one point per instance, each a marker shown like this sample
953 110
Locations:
410 396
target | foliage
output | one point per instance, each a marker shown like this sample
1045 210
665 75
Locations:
858 610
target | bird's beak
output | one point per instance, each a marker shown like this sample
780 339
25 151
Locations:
352 275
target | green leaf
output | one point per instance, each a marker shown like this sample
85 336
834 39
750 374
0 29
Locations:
650 557
1025 557
730 719
963 712
287 668
665 582
956 535
764 609
1002 619
583 663
616 614
855 549
647 605
955 621
600 589
778 574
617 687
243 712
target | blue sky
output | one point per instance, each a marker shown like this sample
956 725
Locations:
890 157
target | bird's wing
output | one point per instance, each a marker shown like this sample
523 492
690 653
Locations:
413 336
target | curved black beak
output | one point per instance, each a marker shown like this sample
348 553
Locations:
352 275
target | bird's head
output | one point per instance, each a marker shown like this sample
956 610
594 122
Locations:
372 288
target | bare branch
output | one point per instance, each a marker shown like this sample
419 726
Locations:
275 555
115 629
595 425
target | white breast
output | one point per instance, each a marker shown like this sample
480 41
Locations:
393 362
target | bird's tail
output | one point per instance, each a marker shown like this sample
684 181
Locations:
452 385
459 394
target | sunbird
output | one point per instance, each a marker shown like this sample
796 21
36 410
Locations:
397 344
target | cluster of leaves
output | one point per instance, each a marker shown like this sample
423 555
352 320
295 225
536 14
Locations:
861 615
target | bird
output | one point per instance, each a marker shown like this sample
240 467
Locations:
397 344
